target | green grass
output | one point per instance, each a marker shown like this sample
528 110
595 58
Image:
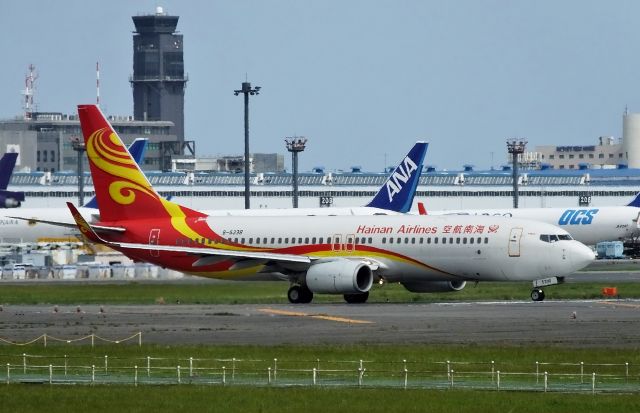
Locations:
29 398
99 398
275 292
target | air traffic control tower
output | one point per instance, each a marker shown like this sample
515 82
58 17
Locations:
158 79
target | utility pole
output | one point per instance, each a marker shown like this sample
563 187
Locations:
515 147
295 145
246 91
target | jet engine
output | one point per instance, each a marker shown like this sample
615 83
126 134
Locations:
434 286
341 276
9 202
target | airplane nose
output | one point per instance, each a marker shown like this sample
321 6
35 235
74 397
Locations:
581 255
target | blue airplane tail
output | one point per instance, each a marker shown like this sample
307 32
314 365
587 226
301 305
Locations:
635 202
137 150
7 163
398 191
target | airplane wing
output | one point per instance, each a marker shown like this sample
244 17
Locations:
70 225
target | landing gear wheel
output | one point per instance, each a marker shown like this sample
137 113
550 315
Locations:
537 294
298 294
356 298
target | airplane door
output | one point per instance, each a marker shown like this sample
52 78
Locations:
336 242
514 242
350 243
154 238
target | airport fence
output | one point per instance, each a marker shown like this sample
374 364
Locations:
580 377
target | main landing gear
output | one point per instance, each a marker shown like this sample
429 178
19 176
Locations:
299 294
537 294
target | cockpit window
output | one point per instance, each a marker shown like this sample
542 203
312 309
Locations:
554 238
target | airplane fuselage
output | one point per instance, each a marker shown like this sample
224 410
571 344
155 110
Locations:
405 248
588 225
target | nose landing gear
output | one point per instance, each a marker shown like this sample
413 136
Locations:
537 294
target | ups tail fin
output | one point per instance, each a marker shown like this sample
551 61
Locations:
137 150
398 191
7 163
635 202
122 190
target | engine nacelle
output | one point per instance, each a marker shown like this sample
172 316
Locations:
341 276
10 203
434 286
10 199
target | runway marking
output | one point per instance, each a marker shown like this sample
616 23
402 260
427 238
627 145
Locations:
620 304
318 316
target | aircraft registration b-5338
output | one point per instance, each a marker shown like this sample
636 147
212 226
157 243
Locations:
316 254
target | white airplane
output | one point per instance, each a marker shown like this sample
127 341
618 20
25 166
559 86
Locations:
588 225
316 254
394 197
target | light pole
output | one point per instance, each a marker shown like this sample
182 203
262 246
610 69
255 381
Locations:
295 145
246 91
515 147
78 146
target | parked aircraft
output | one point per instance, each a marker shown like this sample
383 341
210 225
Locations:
395 196
588 225
8 199
16 229
316 254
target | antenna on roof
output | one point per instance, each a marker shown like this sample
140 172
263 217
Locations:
29 91
98 83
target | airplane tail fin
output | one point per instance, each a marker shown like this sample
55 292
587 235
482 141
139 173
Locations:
122 190
137 150
398 191
635 202
7 163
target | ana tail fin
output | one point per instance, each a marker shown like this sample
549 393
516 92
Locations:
122 190
7 163
635 202
398 191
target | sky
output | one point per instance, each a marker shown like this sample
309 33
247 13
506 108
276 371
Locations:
361 79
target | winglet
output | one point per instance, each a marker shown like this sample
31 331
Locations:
635 202
398 191
421 209
83 225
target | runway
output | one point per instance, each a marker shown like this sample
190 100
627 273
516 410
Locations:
599 323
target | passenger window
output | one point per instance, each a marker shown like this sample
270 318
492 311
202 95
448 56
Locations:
257 240
273 240
451 240
406 240
428 240
444 240
264 240
384 240
242 241
421 240
313 240
370 240
413 240
320 241
464 240
479 240
286 240
458 240
250 241
399 240
486 240
471 240
435 240
306 240
299 240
